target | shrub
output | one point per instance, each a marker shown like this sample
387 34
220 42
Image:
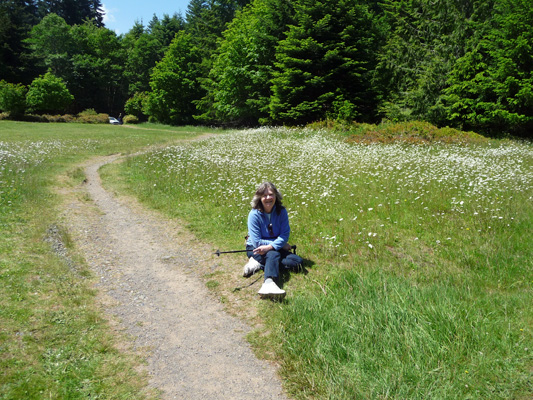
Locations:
48 94
53 118
58 118
387 132
12 98
135 105
410 132
33 118
90 116
131 119
88 112
69 118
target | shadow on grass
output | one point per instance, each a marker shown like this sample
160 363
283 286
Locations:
285 275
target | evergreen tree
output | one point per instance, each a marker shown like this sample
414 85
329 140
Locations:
73 11
238 88
96 12
324 65
16 20
207 19
146 48
174 83
135 32
97 78
425 40
491 86
166 28
142 57
205 22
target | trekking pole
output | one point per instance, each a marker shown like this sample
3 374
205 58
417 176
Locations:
218 252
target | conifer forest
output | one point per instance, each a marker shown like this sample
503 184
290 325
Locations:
465 64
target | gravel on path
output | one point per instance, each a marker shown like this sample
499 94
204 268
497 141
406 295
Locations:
144 264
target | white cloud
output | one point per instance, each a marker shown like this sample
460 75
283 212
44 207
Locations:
109 18
108 14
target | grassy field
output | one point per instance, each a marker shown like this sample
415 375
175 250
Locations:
54 343
419 257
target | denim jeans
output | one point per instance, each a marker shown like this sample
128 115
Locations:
271 261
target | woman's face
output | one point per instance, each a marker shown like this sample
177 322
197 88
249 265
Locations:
268 199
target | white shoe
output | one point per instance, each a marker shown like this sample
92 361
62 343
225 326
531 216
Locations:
271 290
251 267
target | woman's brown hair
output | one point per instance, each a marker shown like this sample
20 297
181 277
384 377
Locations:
261 190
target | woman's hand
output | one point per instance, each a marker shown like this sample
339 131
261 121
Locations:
263 249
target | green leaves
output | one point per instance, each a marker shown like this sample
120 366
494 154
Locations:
467 64
462 63
48 93
325 59
88 58
52 43
238 86
12 98
174 83
491 86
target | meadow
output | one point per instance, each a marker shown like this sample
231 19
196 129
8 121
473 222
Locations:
418 270
418 273
54 341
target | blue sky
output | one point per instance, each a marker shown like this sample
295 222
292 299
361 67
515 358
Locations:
122 14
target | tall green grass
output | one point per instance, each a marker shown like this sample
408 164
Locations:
54 341
419 257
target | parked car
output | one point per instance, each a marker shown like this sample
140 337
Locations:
114 121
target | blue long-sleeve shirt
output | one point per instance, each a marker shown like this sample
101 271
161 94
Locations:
258 233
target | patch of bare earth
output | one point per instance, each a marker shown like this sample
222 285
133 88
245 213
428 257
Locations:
149 279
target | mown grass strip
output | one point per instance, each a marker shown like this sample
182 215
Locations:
54 341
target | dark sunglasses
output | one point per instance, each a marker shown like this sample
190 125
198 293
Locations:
270 230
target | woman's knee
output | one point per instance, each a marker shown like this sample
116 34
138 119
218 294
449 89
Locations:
273 255
250 253
292 261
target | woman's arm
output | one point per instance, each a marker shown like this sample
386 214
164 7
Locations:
280 227
254 228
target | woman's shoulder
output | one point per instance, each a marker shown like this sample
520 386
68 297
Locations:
254 212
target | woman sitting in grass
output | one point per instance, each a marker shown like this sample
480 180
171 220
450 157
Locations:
267 244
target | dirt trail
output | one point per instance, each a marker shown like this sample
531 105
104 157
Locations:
144 264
